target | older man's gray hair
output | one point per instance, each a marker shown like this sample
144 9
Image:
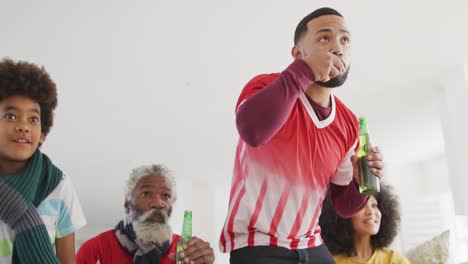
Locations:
148 170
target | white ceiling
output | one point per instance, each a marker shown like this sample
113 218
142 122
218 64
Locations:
156 81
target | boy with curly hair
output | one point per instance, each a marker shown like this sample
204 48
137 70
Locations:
39 207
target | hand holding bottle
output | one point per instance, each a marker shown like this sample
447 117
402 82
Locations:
197 251
375 160
368 163
192 250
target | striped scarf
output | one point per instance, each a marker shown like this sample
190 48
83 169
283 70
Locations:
19 197
142 253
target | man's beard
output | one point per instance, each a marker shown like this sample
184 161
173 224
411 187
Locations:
335 81
149 231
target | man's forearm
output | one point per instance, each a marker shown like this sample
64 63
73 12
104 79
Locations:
347 200
261 116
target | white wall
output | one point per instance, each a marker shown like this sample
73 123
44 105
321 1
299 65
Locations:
157 81
427 205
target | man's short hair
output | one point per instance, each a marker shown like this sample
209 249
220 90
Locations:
149 170
301 28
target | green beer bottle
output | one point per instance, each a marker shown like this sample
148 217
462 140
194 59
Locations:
185 236
369 182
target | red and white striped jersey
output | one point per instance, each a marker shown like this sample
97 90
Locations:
278 188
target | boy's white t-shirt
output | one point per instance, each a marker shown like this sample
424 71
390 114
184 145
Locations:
61 213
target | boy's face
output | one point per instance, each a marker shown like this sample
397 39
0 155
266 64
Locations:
20 130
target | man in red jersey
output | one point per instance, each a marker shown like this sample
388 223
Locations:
296 138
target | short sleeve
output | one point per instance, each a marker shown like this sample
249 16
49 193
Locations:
70 217
344 172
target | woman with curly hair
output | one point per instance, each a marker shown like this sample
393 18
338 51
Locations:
364 237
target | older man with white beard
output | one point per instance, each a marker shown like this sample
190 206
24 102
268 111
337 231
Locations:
145 235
